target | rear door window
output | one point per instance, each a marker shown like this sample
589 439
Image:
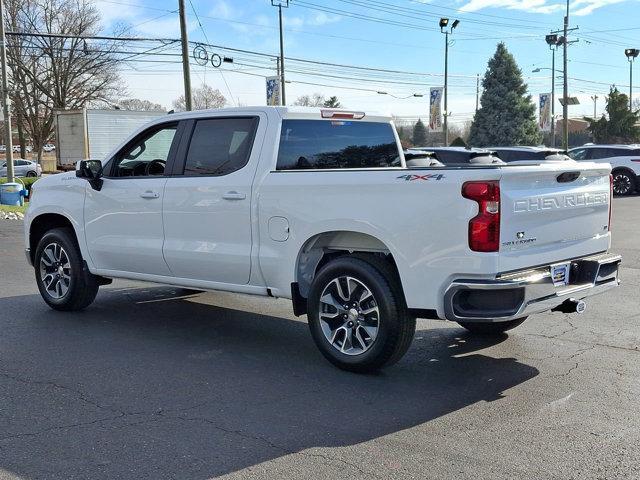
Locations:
579 154
330 144
220 146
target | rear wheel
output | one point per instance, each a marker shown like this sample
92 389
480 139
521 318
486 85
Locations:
32 174
492 328
357 314
60 274
624 182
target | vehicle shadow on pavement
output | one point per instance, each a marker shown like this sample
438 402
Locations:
137 387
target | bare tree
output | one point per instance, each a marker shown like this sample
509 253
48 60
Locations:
315 100
57 72
140 105
203 97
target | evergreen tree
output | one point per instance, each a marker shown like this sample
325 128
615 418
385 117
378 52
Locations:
621 126
332 102
458 142
507 115
419 134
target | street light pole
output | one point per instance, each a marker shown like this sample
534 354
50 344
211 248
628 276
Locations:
280 4
446 89
552 41
631 54
444 22
5 97
595 105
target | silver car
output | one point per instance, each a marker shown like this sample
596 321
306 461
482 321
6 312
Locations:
22 168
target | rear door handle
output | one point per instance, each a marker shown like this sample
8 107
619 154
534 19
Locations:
234 196
149 194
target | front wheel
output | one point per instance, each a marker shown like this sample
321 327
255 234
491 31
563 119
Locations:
357 314
623 182
492 328
60 275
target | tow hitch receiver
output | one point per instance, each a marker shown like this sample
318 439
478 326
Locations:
571 306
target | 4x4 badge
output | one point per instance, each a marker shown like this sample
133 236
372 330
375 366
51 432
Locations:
428 176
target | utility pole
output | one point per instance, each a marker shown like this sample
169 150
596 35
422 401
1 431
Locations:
186 71
477 91
565 89
280 4
5 96
564 41
444 23
595 105
631 54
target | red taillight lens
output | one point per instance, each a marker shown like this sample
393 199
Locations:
610 198
484 228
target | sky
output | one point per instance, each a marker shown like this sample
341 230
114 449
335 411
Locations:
400 37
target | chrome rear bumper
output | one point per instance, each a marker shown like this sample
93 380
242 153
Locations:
518 294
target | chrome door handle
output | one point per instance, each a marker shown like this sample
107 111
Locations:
234 196
149 194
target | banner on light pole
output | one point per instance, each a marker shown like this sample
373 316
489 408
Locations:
273 91
435 109
545 112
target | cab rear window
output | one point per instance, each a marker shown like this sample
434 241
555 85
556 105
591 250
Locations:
331 144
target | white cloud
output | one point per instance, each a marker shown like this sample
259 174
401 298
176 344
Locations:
585 7
222 9
532 6
578 7
322 18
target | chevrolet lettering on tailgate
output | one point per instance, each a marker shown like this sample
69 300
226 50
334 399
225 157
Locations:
575 200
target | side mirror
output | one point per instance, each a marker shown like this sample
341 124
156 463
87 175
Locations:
92 171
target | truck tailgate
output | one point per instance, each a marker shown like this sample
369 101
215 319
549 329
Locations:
553 212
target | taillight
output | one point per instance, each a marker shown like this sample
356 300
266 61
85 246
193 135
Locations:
484 228
610 198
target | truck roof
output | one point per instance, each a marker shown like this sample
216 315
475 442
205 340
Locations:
288 112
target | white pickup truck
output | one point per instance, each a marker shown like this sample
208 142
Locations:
319 206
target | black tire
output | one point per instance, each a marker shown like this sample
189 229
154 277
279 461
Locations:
624 182
492 328
395 327
82 286
31 174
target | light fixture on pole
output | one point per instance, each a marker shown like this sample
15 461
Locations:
444 23
631 54
281 4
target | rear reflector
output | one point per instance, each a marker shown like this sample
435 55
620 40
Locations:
341 114
484 228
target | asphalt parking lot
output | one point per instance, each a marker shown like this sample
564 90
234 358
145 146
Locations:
152 382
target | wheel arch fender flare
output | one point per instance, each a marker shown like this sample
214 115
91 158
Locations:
321 247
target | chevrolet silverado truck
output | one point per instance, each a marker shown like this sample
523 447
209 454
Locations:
319 206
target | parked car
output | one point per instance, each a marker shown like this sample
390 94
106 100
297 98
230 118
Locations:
27 148
529 154
3 149
48 147
421 158
22 168
624 159
319 206
460 156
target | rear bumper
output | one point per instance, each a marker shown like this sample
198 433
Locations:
518 294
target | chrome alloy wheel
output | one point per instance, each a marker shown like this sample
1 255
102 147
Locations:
55 270
349 315
621 183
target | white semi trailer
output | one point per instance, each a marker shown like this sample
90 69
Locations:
92 133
